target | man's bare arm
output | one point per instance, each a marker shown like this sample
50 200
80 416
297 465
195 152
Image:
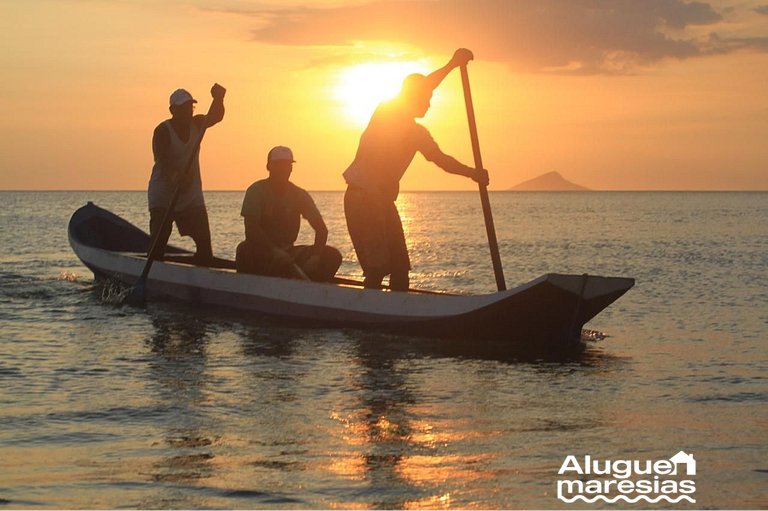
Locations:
460 57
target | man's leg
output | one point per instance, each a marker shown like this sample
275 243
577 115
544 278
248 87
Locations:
373 279
252 258
204 250
319 266
330 261
245 258
400 262
399 280
366 215
194 223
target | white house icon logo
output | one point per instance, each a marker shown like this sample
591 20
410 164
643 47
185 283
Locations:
683 458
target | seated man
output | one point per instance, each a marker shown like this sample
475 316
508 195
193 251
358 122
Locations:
272 211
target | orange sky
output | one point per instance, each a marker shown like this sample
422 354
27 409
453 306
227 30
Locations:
613 95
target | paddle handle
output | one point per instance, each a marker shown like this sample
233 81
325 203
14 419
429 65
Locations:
298 272
484 200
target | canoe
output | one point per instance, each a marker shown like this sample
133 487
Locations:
549 310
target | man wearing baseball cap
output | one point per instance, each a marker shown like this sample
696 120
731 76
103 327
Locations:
272 211
174 142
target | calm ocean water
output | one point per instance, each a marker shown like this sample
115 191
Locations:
109 406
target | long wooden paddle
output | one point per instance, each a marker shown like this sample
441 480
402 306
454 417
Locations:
489 228
136 296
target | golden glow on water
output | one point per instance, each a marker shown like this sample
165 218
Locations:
442 501
350 505
431 469
346 465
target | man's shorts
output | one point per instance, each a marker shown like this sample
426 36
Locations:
191 222
376 231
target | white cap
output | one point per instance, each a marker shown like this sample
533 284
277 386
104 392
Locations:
280 153
181 96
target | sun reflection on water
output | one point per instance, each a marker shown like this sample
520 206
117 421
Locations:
384 442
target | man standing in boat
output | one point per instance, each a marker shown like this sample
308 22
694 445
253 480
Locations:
173 143
272 211
386 149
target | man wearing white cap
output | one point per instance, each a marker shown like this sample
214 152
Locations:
272 211
174 141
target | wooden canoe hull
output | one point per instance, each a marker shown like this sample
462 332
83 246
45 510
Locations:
551 309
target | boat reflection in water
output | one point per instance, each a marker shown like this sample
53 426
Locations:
177 372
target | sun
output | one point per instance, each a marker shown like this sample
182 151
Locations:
362 87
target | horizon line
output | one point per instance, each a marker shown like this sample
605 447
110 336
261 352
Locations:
633 190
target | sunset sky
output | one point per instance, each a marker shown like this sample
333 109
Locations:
613 94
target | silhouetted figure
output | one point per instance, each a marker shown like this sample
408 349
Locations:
386 149
173 142
272 211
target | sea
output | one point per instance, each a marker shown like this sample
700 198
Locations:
104 405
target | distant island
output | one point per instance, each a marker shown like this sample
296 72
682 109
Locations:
549 182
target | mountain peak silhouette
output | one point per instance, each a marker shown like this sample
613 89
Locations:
549 182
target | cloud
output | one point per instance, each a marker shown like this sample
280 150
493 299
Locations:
552 36
762 9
